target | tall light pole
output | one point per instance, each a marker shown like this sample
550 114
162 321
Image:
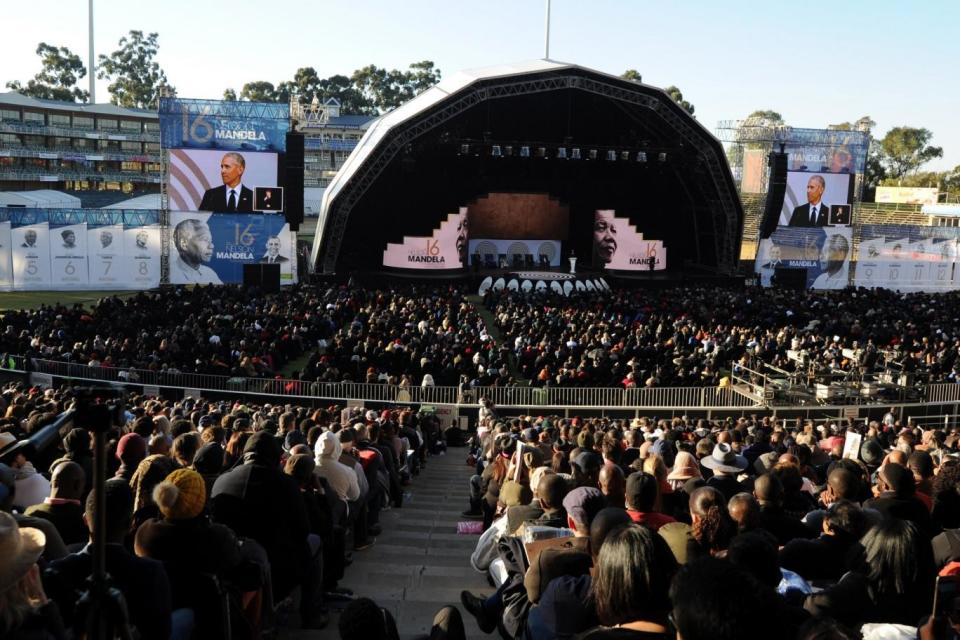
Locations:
90 67
546 39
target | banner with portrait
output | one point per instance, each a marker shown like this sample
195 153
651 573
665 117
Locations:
31 256
824 253
68 257
210 248
106 264
201 180
6 263
618 245
142 248
223 124
907 258
446 248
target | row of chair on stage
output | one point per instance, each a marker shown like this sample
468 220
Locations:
499 261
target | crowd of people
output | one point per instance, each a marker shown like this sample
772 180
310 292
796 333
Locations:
697 335
418 335
222 519
740 529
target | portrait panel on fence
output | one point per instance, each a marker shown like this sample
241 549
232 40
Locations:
907 257
31 256
106 263
6 264
68 257
142 250
212 248
218 181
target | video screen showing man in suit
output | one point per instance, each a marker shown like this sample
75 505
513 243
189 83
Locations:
232 196
194 244
273 252
815 212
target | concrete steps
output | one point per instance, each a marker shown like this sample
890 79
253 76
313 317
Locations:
419 563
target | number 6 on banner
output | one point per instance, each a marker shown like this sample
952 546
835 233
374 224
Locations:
32 267
69 269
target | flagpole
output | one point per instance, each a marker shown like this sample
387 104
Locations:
546 40
90 69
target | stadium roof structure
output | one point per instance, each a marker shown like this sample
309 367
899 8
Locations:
146 201
41 199
12 98
545 96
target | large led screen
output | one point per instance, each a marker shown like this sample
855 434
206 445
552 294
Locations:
446 248
618 245
220 181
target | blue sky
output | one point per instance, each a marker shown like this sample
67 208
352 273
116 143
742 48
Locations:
815 62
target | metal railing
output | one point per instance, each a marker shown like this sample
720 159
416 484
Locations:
587 397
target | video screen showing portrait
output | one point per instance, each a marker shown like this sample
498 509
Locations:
812 199
446 248
617 245
824 253
218 181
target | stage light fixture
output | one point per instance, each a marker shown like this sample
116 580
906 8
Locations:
624 155
496 152
562 153
575 153
524 152
541 152
593 154
641 156
662 157
464 149
611 155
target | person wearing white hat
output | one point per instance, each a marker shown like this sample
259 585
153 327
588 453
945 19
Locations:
24 606
32 488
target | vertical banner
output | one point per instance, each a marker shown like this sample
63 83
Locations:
6 264
68 257
210 248
142 249
106 259
31 256
618 245
446 248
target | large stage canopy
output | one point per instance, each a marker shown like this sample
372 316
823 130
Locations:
582 142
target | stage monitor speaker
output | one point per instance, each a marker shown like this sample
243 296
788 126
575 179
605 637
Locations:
776 190
293 180
785 278
266 277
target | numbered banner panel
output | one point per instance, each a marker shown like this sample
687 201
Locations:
68 257
106 261
142 248
30 246
6 264
210 248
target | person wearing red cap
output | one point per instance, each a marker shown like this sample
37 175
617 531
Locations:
131 450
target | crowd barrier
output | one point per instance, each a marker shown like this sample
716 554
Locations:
939 402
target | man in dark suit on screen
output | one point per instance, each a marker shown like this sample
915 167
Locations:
815 212
232 195
273 251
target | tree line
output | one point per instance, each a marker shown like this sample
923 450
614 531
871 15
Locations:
138 81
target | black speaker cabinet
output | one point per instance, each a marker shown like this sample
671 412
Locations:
264 276
784 278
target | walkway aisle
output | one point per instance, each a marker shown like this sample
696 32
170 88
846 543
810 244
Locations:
419 563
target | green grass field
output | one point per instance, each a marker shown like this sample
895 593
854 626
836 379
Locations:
35 299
